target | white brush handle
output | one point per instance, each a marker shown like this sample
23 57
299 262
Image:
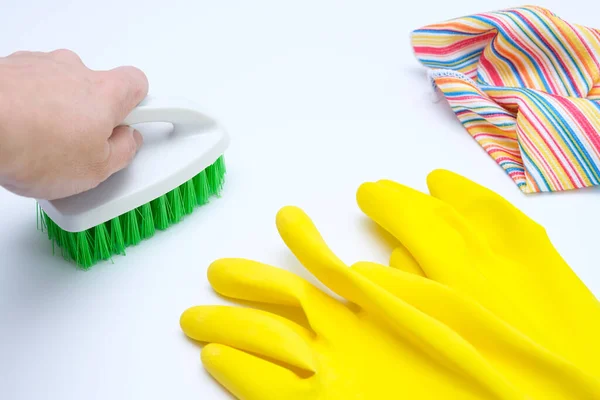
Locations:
195 142
184 115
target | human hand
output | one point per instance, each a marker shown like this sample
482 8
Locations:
59 123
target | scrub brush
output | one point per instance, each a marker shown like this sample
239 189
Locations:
172 174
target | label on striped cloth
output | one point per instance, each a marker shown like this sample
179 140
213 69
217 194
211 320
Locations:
526 85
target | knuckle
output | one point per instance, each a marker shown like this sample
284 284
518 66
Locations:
141 84
66 55
128 83
110 90
62 52
19 53
120 89
113 85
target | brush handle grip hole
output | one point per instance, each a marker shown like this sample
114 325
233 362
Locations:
183 116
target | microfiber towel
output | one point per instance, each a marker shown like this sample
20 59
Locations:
526 86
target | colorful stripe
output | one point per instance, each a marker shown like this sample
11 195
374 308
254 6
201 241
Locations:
526 85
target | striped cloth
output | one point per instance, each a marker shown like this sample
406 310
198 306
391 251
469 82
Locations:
526 85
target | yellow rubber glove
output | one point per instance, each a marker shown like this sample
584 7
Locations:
380 346
471 239
382 349
538 372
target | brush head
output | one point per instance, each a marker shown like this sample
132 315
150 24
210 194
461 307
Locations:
175 171
112 237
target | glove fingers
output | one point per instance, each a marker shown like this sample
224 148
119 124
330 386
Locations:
250 330
402 259
552 303
432 232
249 377
406 322
505 227
253 281
444 244
500 343
304 240
455 309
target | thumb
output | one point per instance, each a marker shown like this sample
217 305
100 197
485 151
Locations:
123 145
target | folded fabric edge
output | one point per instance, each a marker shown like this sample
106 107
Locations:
528 176
517 173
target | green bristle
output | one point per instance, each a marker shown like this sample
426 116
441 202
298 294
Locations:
147 221
50 229
38 214
47 222
159 210
215 174
117 243
131 228
219 175
201 187
70 243
83 251
175 206
102 241
63 242
189 196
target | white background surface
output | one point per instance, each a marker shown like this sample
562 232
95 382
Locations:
318 96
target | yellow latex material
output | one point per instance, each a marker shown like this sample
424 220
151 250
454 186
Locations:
469 238
400 336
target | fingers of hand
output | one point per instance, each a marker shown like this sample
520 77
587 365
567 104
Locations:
251 330
121 148
123 89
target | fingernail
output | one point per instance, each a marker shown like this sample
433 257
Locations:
139 140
